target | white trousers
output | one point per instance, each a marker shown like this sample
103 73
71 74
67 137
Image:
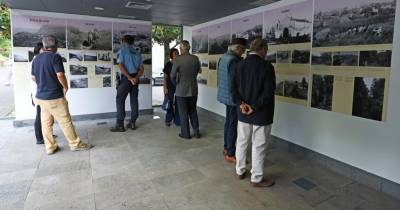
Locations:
260 137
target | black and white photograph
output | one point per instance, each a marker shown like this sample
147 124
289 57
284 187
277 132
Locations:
21 55
89 35
63 55
322 92
204 63
200 41
353 22
289 24
115 61
249 28
78 70
295 86
79 83
219 38
201 80
376 58
280 83
107 81
140 32
321 58
90 56
301 56
104 56
283 57
368 97
102 69
147 61
212 65
271 56
30 55
27 31
75 56
345 58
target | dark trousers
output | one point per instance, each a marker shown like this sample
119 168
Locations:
230 130
38 125
124 88
172 113
187 110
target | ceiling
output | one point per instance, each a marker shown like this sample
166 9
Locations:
173 12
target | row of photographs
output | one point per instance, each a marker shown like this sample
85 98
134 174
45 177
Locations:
83 70
83 82
368 97
372 58
78 34
333 23
27 56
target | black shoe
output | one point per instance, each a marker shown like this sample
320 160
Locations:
118 128
168 124
131 125
197 134
40 141
180 135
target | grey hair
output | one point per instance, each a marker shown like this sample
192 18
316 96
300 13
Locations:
49 41
185 45
234 47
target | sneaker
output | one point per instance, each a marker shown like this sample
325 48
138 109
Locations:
263 183
242 176
118 128
131 125
52 151
82 146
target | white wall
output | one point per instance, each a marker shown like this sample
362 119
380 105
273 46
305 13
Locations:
366 144
81 101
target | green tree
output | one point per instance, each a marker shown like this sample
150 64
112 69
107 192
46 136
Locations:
164 35
5 31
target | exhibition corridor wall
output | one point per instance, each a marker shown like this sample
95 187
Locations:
88 46
336 79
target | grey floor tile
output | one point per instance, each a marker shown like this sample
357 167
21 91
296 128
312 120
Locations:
80 203
13 195
178 180
48 170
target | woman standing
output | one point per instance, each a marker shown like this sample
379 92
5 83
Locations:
169 91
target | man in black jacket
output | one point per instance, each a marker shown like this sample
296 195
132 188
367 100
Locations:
253 87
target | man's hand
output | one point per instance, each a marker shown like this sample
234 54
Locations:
65 90
246 109
133 80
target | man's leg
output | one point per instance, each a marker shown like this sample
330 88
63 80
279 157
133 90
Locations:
47 126
232 130
260 140
133 95
38 126
169 116
177 119
227 116
122 92
194 119
61 114
183 114
244 131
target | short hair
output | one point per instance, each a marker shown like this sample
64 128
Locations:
257 44
37 48
128 39
234 47
185 45
171 52
49 41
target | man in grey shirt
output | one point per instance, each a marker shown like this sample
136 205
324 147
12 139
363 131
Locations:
184 72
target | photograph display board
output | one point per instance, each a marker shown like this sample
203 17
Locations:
200 41
140 32
329 55
89 35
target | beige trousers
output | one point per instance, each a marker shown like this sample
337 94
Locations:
260 136
57 109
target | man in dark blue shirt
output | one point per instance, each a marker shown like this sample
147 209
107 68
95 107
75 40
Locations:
49 75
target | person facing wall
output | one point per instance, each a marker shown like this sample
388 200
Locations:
184 72
253 88
49 74
226 65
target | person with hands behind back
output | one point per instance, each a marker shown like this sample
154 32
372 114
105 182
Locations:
253 87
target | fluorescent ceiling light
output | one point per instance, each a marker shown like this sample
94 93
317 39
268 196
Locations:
127 16
98 8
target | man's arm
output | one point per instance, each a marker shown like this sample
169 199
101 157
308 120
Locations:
139 73
269 86
174 71
63 81
235 84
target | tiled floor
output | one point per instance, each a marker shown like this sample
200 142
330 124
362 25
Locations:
151 168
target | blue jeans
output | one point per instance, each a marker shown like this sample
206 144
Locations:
124 88
230 130
172 113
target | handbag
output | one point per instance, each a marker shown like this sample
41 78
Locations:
166 104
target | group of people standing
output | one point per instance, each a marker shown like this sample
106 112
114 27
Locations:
245 86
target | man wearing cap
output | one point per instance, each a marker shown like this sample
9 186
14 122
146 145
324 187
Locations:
253 88
226 65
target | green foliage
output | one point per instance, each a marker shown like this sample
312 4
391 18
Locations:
5 31
164 35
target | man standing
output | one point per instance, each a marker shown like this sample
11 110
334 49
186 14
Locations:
184 71
253 87
131 66
48 73
226 65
